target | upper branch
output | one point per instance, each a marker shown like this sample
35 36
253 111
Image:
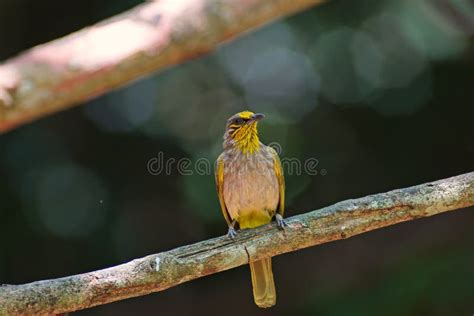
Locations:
97 59
161 271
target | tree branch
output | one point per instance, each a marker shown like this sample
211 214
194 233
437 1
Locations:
167 269
97 59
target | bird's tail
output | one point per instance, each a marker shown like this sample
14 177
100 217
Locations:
264 293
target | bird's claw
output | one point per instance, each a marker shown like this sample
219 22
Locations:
281 223
231 233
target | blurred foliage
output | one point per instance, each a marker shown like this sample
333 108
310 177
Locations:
432 285
380 92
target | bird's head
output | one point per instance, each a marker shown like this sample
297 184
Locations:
241 131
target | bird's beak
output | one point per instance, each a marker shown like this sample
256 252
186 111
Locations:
257 117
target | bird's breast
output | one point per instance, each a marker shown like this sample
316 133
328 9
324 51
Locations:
251 191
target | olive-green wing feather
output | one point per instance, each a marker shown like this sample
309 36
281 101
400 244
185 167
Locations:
281 182
219 174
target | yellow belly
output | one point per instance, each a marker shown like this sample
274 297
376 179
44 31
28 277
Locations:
251 219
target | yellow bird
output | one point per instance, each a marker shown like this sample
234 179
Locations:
251 190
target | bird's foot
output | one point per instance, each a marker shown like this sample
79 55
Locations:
281 223
231 233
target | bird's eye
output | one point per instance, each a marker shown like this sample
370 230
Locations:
238 120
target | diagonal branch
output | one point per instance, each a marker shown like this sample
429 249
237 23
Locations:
97 59
167 269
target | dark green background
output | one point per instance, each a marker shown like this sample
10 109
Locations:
380 92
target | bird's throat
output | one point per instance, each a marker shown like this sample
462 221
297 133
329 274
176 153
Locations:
246 139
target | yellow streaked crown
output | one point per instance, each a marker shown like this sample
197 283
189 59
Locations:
245 114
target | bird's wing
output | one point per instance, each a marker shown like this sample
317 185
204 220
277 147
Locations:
219 174
281 181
